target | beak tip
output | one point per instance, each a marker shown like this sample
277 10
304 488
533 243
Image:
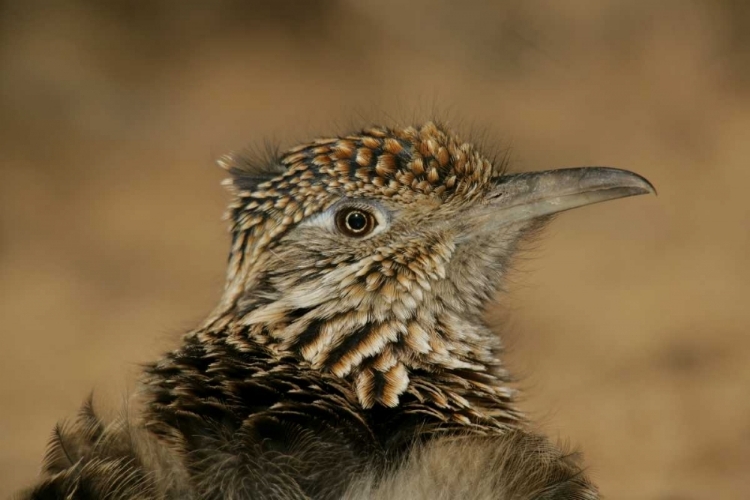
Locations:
616 177
644 184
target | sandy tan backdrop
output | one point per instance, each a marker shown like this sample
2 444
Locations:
629 321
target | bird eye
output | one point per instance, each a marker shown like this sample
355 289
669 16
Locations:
355 222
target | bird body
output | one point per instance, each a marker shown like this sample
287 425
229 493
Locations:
348 357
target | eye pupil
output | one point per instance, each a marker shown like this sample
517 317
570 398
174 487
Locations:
356 221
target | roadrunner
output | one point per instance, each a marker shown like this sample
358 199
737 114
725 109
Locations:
348 357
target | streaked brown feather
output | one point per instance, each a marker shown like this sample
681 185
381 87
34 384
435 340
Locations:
334 368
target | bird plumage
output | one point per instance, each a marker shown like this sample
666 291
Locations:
512 465
348 357
91 458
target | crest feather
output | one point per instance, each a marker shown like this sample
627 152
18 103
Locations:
251 167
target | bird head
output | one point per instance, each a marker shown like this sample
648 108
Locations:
373 256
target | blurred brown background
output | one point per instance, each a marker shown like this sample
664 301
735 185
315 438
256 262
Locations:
629 321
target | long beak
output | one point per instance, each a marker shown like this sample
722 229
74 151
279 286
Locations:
532 195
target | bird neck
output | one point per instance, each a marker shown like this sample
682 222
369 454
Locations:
428 343
445 362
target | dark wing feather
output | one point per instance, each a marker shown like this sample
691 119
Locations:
60 454
70 443
91 459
